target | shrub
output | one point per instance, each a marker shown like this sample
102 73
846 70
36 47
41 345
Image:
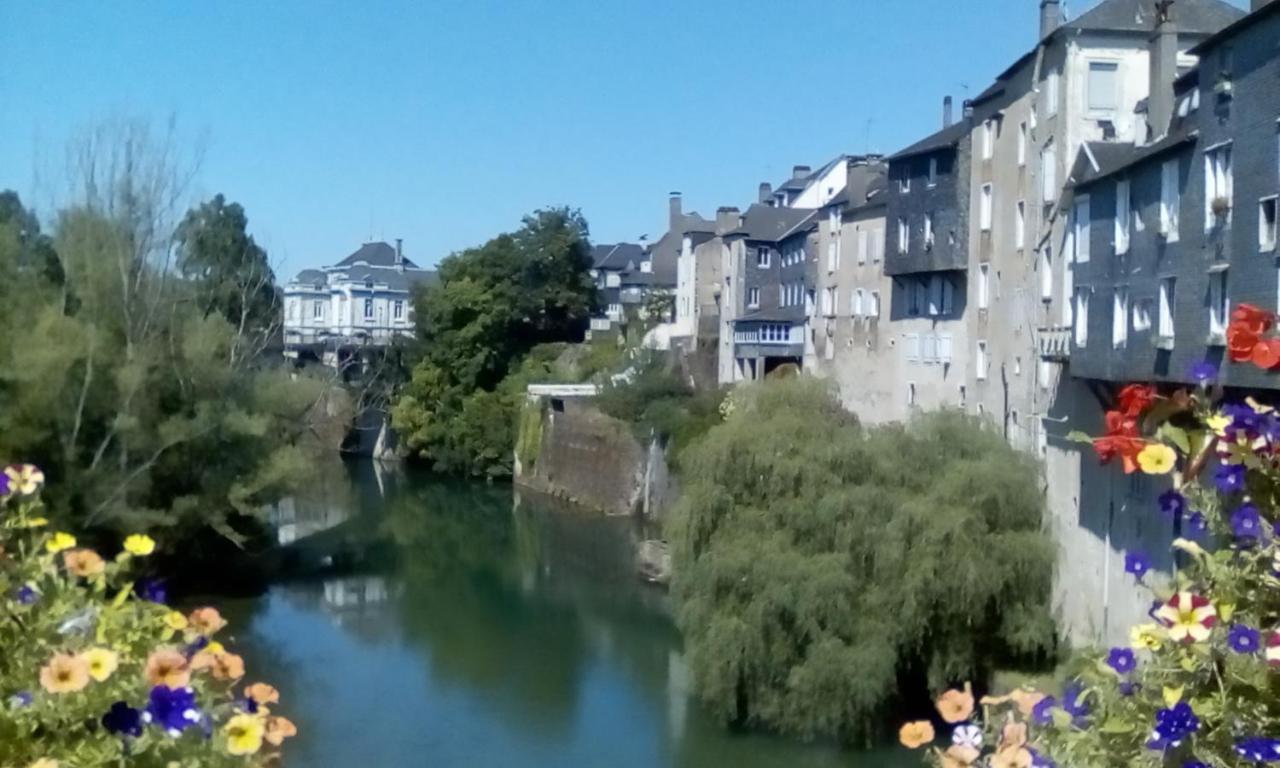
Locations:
94 669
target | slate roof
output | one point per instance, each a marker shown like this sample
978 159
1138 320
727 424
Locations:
765 222
377 254
617 256
773 315
391 277
1236 27
1113 158
1193 17
311 277
947 137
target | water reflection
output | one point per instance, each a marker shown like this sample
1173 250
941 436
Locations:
445 626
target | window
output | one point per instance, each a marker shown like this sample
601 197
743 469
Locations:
1122 216
928 231
864 243
904 181
1081 229
941 295
1051 93
1217 187
963 395
317 309
829 300
1219 306
1142 315
1267 224
762 257
911 347
1049 171
982 364
1046 274
397 309
933 172
1082 316
1170 200
1120 317
1020 225
856 309
1022 145
984 209
831 256
753 297
1165 330
873 310
912 287
368 309
877 247
904 235
1017 365
984 286
988 139
929 348
1104 86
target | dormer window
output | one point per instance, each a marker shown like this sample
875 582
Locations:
368 284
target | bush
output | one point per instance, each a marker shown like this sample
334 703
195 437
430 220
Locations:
823 570
656 402
94 670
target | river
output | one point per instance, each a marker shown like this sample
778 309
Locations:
444 624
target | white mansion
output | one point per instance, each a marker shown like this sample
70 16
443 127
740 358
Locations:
363 300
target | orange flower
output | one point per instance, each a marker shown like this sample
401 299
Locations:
206 621
1011 757
221 664
83 562
1257 321
917 734
169 668
262 694
1127 448
1136 398
956 706
279 729
960 756
64 674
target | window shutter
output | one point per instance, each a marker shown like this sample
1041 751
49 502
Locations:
944 348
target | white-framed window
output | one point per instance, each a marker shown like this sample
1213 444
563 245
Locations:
1218 186
944 348
984 286
1120 317
1049 171
904 181
831 256
1267 223
933 172
982 364
753 298
864 243
856 309
1170 199
929 348
317 309
904 235
1103 86
1046 273
1052 93
368 309
397 309
1219 305
1082 316
831 298
873 310
1020 224
984 207
1122 216
1166 299
988 139
1022 144
941 295
1142 315
928 231
293 309
762 257
1081 229
1068 293
911 347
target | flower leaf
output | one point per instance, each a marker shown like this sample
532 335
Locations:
1176 435
1117 725
1076 436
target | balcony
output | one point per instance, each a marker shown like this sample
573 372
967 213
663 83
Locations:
1054 342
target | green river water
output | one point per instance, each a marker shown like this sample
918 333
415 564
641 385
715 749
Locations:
460 625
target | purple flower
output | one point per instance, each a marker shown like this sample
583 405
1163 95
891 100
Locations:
1136 563
21 699
1172 504
5 484
1204 372
195 646
1122 660
1074 704
1244 639
1229 478
1040 761
1128 687
173 709
1246 523
123 720
153 591
1259 749
1195 764
25 595
1172 726
1042 712
1197 525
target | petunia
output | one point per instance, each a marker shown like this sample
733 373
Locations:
967 735
173 709
123 720
1272 653
958 756
220 664
1259 749
175 621
45 762
1135 398
281 728
168 667
83 562
21 699
1246 523
1229 478
956 706
139 545
25 479
244 734
64 674
206 621
1172 726
912 735
1122 660
58 542
1042 712
26 595
1197 524
153 591
1074 702
1172 504
1137 564
1188 617
1244 639
1204 372
1145 637
1157 459
102 662
260 694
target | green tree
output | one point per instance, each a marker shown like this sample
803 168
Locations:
823 572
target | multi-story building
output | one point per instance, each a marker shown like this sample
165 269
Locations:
365 300
622 272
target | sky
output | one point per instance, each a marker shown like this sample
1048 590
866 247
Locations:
442 122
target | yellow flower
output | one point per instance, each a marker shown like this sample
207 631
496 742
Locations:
1145 637
44 762
175 621
139 544
64 674
35 522
215 647
1157 459
1188 617
1218 422
102 662
244 734
25 479
58 542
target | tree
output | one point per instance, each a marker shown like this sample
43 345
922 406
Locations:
823 572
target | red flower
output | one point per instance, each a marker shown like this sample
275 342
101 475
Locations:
1136 398
1241 341
1124 446
1121 424
1253 318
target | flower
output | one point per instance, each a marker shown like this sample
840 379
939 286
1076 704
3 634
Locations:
1229 478
26 595
58 542
1042 712
206 621
25 479
173 709
44 762
1157 459
169 668
1246 523
1073 702
221 664
123 720
1172 726
1137 564
102 662
1272 654
21 699
1244 639
153 591
1259 750
1204 372
1252 318
1135 398
967 735
139 545
1188 617
175 621
1172 504
1197 524
958 756
281 728
912 735
259 695
244 734
1144 637
64 674
1122 660
956 706
5 485
83 562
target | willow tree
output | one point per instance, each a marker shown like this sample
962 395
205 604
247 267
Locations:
824 572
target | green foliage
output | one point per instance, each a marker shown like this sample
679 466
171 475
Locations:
820 567
481 335
529 436
655 401
229 269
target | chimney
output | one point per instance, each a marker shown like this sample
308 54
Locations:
675 210
766 191
726 219
799 171
1163 55
1050 17
400 254
966 108
946 112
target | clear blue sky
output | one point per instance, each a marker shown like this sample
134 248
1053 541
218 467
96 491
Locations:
443 121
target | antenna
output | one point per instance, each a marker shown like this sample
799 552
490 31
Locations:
866 139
